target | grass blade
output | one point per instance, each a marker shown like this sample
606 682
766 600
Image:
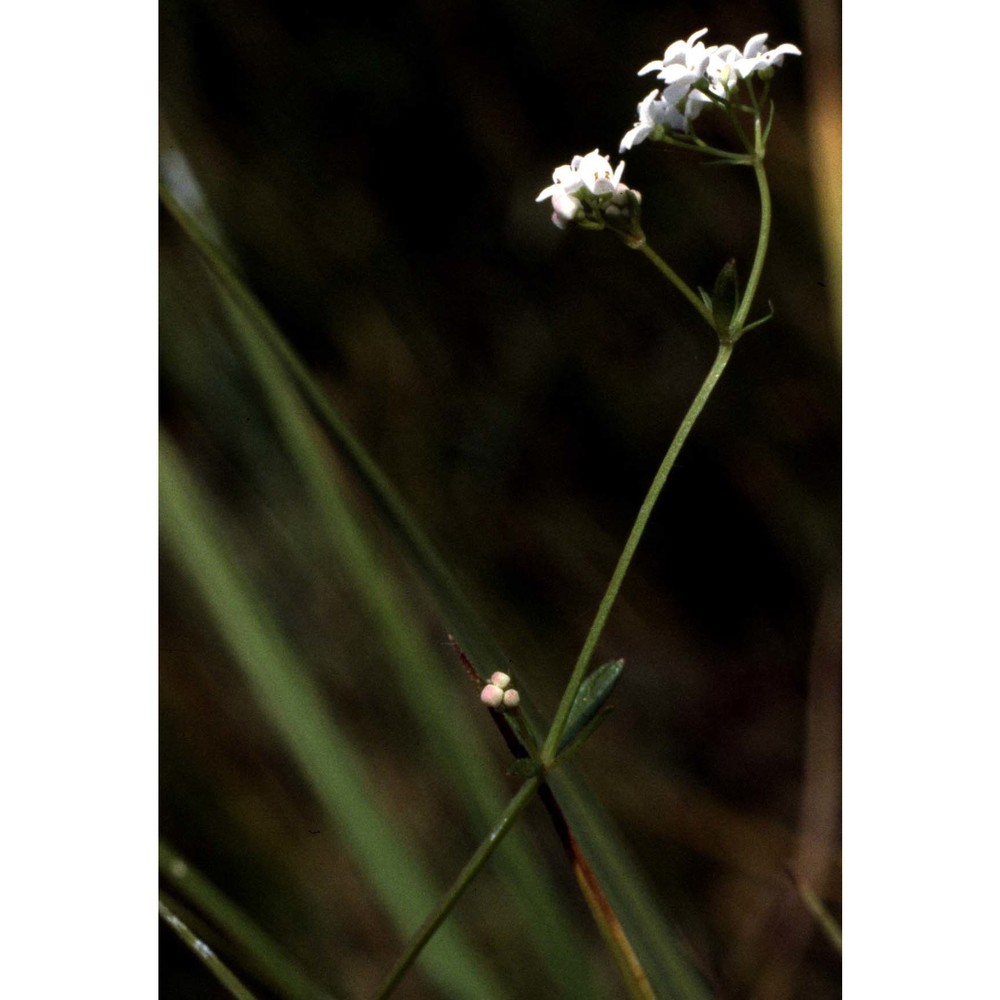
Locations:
424 681
271 963
296 707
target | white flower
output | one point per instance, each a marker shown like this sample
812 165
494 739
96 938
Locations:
691 72
651 112
585 184
675 108
680 59
592 172
728 64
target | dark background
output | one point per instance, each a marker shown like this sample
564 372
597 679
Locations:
373 169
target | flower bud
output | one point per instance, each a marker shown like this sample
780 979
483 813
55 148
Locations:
623 214
500 679
511 699
491 695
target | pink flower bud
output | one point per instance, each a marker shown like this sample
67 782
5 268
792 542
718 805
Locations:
491 695
511 699
500 679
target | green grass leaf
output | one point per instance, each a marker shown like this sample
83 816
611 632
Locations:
298 710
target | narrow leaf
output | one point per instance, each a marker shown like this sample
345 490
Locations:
593 693
725 298
569 749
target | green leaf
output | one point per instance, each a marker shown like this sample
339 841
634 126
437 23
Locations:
584 734
725 298
593 693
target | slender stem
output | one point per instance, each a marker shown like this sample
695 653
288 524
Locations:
514 809
269 961
678 282
824 918
699 146
212 962
597 627
738 321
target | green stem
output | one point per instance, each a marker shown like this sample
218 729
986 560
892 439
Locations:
824 918
208 957
700 146
740 318
447 903
597 627
678 282
269 961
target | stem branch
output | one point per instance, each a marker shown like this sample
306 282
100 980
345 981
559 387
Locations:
678 282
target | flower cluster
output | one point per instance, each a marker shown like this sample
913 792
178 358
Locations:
586 182
588 192
695 74
499 694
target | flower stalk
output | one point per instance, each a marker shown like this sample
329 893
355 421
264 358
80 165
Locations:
554 736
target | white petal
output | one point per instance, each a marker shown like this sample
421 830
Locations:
727 53
677 72
565 207
656 64
675 50
634 136
755 45
745 67
775 56
696 36
643 110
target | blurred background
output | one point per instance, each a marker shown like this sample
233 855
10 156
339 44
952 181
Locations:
371 171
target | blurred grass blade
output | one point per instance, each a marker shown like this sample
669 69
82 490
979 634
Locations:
424 681
464 622
297 709
267 957
671 972
823 917
205 955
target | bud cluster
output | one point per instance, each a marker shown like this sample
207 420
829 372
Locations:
499 694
